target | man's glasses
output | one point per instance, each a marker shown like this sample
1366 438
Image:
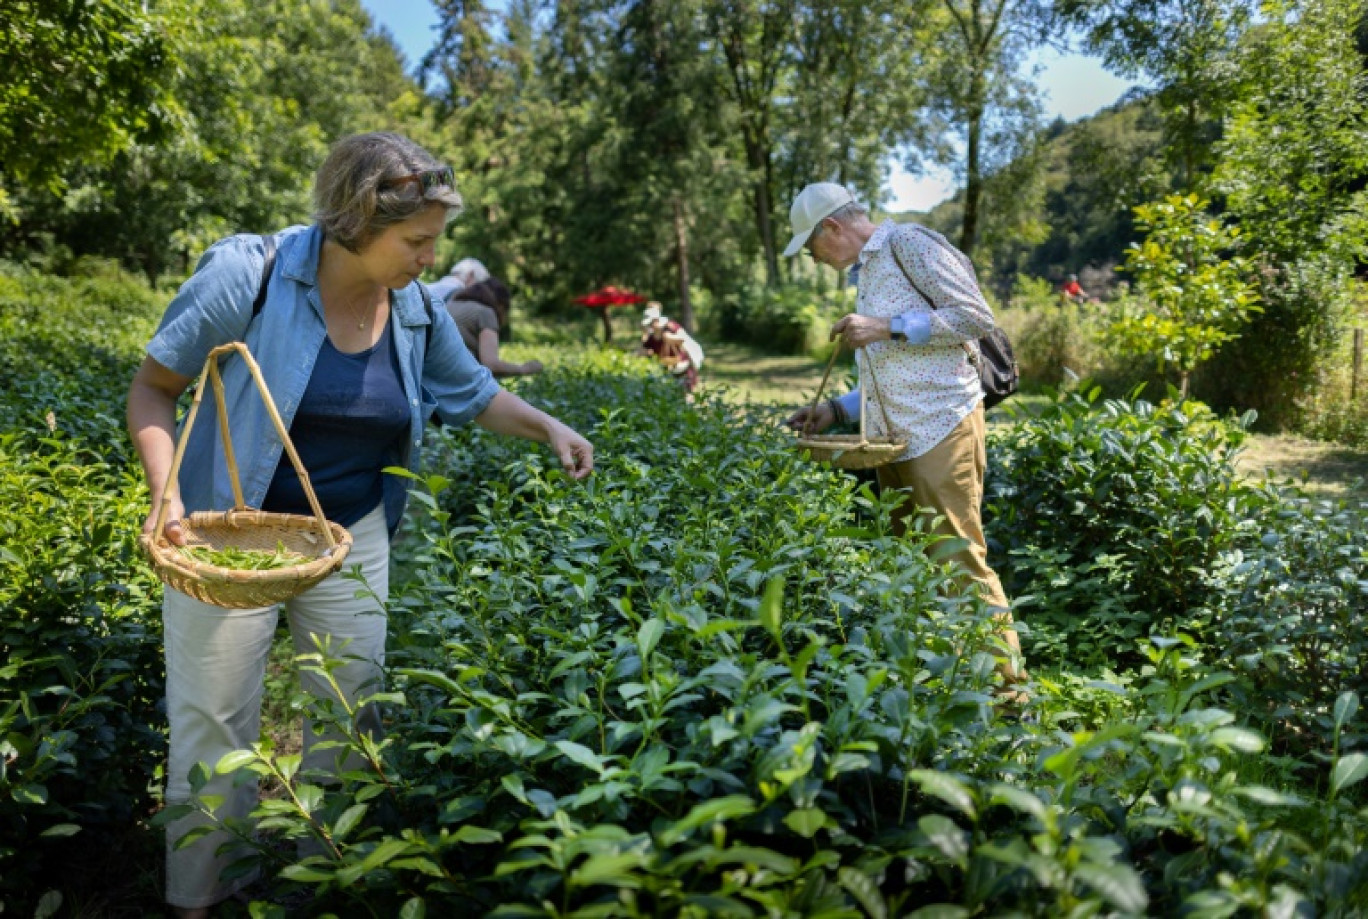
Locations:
427 180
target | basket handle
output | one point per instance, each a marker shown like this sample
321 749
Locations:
807 422
864 397
211 373
878 397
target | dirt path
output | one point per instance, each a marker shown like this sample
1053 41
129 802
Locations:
750 374
1332 470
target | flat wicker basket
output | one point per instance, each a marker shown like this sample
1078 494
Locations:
852 451
323 543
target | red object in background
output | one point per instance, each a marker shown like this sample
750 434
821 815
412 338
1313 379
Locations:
605 297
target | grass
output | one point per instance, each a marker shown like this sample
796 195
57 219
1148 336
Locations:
749 374
1323 469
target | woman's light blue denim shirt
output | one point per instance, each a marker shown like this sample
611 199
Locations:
214 307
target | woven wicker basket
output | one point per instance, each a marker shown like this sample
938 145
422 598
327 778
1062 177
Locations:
852 451
324 544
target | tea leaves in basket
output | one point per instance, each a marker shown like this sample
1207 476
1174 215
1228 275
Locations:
245 559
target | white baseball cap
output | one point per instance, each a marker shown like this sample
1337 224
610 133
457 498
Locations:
818 200
652 313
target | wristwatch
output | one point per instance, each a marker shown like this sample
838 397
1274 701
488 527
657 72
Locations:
897 330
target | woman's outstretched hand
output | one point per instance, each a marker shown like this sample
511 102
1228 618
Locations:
575 453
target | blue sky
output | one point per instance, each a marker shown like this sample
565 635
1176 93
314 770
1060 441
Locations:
1074 86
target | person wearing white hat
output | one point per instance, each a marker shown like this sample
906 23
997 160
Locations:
918 316
465 273
672 344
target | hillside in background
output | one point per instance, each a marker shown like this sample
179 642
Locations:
1065 207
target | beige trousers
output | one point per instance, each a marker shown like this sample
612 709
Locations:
215 670
947 481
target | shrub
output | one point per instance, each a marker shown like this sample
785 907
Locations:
792 319
80 658
693 685
1112 513
1057 342
1123 519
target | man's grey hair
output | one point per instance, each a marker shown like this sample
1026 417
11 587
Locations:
848 212
843 215
353 201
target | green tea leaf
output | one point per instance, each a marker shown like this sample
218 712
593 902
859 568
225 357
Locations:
1349 770
806 821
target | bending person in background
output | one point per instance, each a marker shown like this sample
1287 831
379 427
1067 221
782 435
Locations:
356 362
463 274
918 312
480 311
679 351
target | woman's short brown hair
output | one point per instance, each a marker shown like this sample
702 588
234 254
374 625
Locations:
355 193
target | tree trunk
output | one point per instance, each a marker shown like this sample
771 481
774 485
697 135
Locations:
973 184
757 158
686 318
607 325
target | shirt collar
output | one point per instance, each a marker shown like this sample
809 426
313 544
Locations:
300 263
875 243
300 257
878 238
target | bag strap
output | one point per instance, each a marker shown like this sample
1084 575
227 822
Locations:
269 242
432 318
970 352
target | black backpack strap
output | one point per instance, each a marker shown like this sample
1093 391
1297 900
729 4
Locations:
968 351
432 319
269 242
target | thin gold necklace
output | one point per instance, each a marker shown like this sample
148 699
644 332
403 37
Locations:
360 322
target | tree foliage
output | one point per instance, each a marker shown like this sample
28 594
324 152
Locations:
83 81
1196 296
265 87
1185 48
1293 167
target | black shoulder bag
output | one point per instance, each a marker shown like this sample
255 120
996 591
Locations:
994 360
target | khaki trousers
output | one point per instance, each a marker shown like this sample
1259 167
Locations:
947 482
215 670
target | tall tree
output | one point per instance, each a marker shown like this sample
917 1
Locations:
852 93
981 94
1293 167
83 81
675 170
752 37
1185 48
265 88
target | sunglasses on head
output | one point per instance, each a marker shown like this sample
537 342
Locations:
427 180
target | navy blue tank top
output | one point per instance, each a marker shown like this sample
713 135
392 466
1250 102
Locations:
351 423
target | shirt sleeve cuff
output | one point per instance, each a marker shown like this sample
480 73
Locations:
476 406
917 326
850 404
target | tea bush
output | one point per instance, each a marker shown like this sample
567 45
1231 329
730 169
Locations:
71 346
695 685
81 736
1123 519
708 681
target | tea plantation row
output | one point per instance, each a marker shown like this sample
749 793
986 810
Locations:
710 682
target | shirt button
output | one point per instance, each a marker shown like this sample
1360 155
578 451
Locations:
418 443
413 402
